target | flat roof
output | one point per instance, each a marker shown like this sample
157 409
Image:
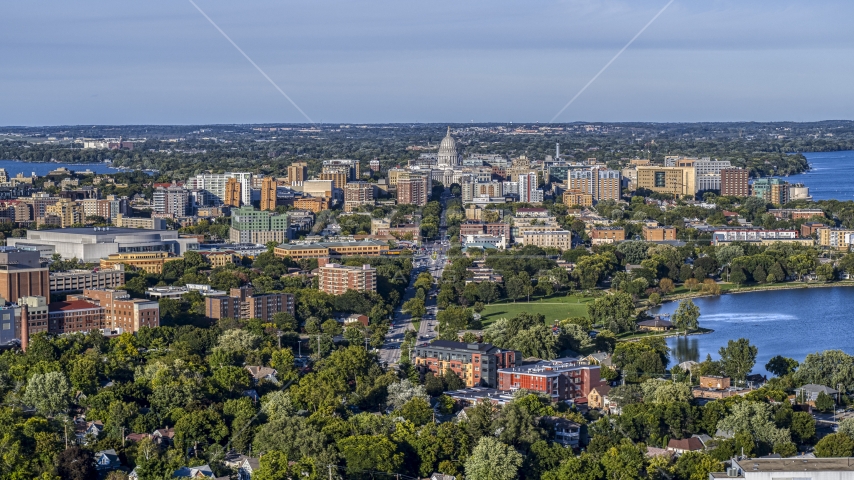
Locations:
797 464
547 367
99 230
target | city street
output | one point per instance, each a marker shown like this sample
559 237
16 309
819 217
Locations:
432 260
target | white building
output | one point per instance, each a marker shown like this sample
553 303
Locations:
448 155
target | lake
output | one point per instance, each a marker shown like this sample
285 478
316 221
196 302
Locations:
14 167
791 323
828 176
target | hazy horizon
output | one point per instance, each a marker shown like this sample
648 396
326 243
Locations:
162 63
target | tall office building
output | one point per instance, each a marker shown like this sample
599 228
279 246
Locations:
268 194
349 166
338 175
667 180
232 193
413 188
772 190
734 182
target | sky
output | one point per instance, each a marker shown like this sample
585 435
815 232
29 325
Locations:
344 61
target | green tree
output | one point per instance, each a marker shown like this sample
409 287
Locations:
696 466
493 460
76 463
686 316
781 366
616 312
835 445
802 427
824 402
738 358
364 453
49 393
274 466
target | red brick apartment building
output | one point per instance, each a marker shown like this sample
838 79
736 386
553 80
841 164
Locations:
561 379
476 364
243 303
480 228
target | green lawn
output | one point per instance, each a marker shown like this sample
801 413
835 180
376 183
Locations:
554 308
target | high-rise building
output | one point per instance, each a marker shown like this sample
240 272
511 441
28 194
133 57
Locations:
336 279
172 200
772 190
600 183
257 226
297 172
232 193
22 274
375 165
68 211
528 191
268 194
338 175
734 182
349 166
413 188
357 194
214 184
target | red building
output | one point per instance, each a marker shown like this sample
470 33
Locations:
480 228
74 316
734 182
561 379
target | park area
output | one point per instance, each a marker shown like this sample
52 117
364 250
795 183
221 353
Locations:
556 307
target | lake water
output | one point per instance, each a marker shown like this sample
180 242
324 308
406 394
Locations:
791 323
14 167
829 176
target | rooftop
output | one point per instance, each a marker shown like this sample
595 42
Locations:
480 347
546 367
71 305
805 464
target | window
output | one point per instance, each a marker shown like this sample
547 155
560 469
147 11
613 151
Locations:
659 179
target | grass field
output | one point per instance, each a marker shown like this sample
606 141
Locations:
554 308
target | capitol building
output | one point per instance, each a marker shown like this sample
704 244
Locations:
448 155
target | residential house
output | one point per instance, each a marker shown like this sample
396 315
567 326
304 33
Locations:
596 397
107 460
248 467
263 373
809 393
658 452
567 432
136 437
603 359
656 324
85 431
442 476
691 444
202 471
164 436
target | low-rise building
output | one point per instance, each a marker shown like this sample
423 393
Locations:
560 379
74 280
122 313
243 303
368 248
150 262
604 235
566 432
801 467
836 238
659 234
477 364
560 239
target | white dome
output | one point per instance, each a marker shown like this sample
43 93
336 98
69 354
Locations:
448 151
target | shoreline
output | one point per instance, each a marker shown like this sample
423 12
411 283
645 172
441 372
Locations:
799 286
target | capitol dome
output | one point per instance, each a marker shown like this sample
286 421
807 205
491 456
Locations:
448 155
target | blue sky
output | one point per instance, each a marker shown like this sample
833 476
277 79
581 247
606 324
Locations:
161 62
